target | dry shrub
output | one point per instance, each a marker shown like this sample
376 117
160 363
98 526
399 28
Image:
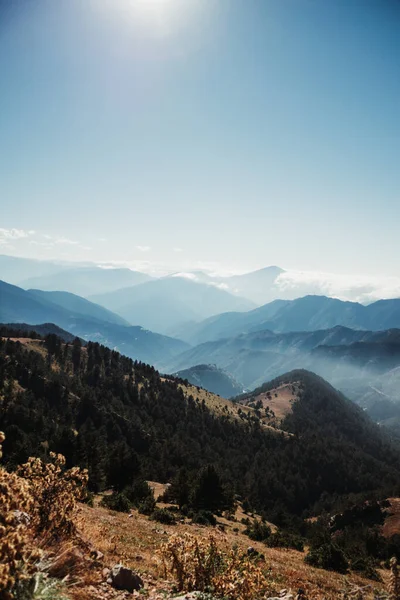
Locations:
18 557
56 491
394 580
40 499
200 565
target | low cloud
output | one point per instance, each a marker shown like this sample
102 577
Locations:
143 248
356 288
66 241
7 235
183 275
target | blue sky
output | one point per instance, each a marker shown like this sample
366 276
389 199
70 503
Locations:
229 134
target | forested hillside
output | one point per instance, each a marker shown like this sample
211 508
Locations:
124 422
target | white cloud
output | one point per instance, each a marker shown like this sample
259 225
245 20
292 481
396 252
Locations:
190 276
356 288
177 250
143 248
44 244
66 241
13 234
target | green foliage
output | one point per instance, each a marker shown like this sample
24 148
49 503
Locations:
139 492
327 556
258 530
116 501
164 516
147 506
204 517
284 539
209 492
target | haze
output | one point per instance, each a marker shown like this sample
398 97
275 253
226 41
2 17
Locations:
230 135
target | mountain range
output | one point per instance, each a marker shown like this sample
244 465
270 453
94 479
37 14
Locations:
360 363
168 303
87 320
309 313
123 421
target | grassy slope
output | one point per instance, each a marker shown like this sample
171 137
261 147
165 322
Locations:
136 541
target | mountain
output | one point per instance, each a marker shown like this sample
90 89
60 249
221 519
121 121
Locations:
86 281
258 286
360 363
123 422
18 330
255 357
212 379
167 303
309 313
77 304
14 269
18 305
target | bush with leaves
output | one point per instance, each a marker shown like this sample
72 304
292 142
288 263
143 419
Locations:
199 564
56 491
116 501
204 517
327 556
285 539
18 555
164 516
257 530
147 506
139 492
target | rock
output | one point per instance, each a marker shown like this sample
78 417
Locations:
96 555
123 578
282 593
106 573
21 517
251 551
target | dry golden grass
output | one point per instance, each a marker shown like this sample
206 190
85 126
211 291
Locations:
31 344
136 541
391 525
279 400
221 406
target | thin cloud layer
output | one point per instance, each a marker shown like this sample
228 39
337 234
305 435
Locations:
355 288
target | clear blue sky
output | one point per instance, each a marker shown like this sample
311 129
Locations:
240 133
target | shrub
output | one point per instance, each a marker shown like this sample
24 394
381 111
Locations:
284 539
162 515
200 565
17 555
116 501
365 566
147 506
138 492
55 491
257 530
327 556
204 517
